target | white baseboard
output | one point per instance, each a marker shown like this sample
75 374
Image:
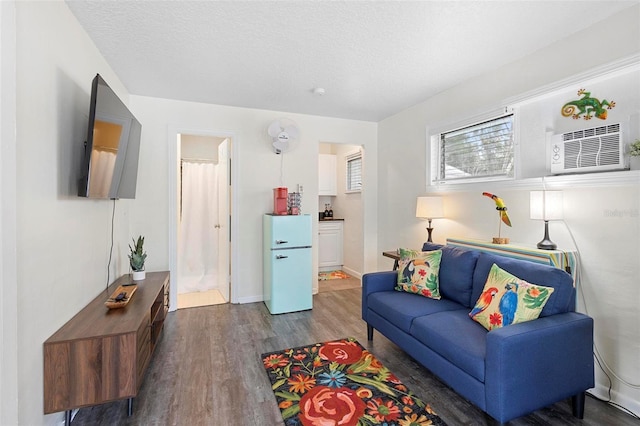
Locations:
602 392
250 299
353 273
330 268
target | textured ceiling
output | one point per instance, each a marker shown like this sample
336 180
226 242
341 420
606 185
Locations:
373 58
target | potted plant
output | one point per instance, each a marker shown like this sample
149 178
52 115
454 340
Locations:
137 258
634 155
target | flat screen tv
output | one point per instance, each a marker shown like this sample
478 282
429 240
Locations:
110 164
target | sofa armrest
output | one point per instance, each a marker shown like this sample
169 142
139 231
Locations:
379 281
536 363
374 282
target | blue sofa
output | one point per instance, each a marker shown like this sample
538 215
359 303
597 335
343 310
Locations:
507 372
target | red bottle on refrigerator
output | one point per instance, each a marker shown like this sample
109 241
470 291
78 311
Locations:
280 199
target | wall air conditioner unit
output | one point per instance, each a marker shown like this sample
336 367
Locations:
589 150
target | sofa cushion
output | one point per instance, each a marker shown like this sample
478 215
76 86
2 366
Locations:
456 272
455 337
507 299
563 298
401 308
418 272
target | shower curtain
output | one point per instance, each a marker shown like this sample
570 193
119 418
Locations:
103 163
198 244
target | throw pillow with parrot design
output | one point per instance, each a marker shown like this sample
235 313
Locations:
418 272
506 300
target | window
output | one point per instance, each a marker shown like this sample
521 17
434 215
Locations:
354 172
482 151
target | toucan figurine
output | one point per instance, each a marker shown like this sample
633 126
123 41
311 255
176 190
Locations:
500 207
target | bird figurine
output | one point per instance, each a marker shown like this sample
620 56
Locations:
484 301
509 303
500 206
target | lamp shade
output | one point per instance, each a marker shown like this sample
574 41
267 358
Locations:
545 205
429 207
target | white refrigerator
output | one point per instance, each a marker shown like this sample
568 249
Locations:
287 265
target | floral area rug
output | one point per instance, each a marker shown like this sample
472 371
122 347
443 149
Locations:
332 275
340 383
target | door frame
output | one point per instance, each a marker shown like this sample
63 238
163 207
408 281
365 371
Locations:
366 183
174 170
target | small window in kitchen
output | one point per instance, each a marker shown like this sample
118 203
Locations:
354 172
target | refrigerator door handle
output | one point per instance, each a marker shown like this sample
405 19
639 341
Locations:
280 256
281 242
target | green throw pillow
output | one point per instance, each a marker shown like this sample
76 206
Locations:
506 300
418 272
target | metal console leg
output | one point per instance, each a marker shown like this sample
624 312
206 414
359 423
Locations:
130 407
67 418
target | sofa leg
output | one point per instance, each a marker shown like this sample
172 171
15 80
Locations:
369 332
577 404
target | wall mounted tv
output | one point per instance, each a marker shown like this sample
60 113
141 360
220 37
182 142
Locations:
110 164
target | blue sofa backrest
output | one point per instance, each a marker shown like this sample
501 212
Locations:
456 273
563 299
463 274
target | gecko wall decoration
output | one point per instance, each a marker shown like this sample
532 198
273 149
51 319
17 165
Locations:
590 107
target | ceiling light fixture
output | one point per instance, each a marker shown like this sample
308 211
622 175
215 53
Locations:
318 91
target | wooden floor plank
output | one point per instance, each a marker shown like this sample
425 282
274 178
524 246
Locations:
207 370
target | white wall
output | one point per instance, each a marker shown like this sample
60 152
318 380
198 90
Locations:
62 241
608 243
8 284
200 147
258 172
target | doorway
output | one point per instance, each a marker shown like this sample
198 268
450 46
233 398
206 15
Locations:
341 240
203 228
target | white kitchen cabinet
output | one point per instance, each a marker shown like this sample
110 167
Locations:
330 241
327 175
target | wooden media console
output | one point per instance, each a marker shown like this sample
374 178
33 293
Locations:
101 354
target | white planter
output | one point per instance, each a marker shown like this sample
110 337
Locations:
634 163
139 275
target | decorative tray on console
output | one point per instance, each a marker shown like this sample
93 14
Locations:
121 296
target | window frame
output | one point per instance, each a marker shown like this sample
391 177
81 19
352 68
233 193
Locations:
348 158
436 177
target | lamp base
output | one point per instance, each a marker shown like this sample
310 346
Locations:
498 240
546 243
429 231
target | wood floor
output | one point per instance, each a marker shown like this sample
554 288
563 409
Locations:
207 370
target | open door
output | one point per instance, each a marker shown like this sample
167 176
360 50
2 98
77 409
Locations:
203 243
224 218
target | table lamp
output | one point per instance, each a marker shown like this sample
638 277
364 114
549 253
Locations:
546 205
429 208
